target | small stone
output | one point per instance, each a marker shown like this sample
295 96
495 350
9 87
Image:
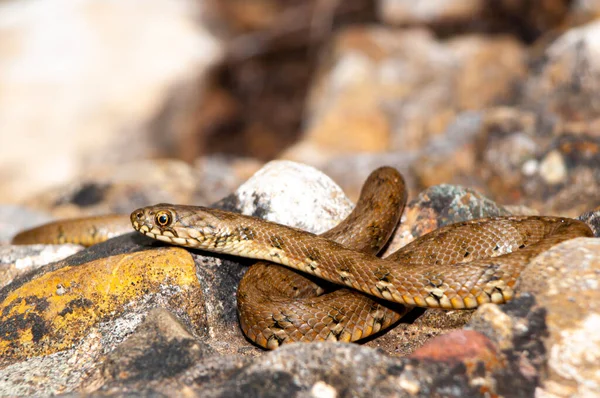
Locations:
465 346
553 169
292 194
530 167
323 390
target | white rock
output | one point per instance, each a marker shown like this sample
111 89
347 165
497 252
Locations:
294 194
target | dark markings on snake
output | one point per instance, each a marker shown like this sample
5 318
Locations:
280 340
336 333
436 285
494 275
276 242
382 275
61 235
245 233
277 324
382 288
221 240
313 254
436 296
171 230
335 319
376 234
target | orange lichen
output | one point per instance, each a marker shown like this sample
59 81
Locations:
55 310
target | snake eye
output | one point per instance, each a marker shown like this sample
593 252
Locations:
163 218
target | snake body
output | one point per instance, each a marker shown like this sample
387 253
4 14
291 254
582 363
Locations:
279 305
459 266
84 231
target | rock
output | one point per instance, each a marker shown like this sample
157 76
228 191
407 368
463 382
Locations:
524 19
449 156
320 368
123 188
19 260
104 89
160 347
291 194
438 206
384 89
171 328
562 89
566 181
120 189
401 12
53 309
592 219
565 282
465 346
519 164
517 330
217 176
553 169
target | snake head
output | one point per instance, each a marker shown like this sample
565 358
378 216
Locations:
155 220
190 226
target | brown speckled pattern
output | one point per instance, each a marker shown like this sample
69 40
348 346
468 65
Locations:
459 266
278 305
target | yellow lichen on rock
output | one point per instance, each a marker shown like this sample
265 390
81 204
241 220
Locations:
55 310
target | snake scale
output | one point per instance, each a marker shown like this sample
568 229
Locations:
459 266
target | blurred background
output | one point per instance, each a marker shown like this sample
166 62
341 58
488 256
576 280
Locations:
106 105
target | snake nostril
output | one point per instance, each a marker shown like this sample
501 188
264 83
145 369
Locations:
140 215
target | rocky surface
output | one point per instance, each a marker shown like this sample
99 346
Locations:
384 89
486 107
569 292
136 316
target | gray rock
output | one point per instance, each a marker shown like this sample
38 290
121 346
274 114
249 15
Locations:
18 260
566 282
592 219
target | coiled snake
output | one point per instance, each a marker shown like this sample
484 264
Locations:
459 266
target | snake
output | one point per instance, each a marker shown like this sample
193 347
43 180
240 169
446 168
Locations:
458 266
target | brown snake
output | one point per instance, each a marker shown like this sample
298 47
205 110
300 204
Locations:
459 266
